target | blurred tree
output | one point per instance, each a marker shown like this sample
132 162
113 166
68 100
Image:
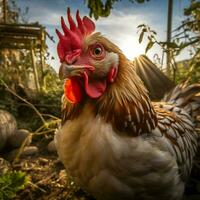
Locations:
101 8
187 35
11 13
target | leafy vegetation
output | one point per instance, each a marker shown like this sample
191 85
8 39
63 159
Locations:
185 36
12 182
100 8
14 13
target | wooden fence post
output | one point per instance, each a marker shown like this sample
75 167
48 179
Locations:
5 11
37 84
169 30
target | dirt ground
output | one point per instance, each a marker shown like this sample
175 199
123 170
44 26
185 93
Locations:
47 177
48 180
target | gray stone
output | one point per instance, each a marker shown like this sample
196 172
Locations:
27 151
18 137
8 125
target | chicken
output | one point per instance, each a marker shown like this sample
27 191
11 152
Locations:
115 142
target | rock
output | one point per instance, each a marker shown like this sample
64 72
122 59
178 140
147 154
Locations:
52 147
8 125
27 151
18 137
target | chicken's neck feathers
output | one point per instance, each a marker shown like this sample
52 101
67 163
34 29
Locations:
126 103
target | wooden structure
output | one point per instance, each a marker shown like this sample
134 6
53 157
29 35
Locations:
24 36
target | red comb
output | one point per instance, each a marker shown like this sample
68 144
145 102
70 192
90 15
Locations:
71 42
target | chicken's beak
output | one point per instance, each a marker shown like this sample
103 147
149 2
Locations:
67 71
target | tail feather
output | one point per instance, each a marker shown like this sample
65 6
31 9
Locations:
193 107
187 97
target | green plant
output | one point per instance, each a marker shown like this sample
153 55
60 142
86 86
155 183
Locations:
11 183
185 36
101 8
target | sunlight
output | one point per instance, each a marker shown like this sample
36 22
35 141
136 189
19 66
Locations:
131 47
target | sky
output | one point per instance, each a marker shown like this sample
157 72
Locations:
120 27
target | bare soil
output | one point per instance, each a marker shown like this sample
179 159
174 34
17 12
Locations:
48 179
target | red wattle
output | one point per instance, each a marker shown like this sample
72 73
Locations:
72 90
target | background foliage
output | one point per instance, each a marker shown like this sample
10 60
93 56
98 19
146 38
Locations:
185 37
17 74
100 8
10 183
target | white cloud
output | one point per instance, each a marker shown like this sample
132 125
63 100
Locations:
46 17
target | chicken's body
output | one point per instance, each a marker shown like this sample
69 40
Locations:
119 145
111 165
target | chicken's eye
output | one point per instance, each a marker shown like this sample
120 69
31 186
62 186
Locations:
97 51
